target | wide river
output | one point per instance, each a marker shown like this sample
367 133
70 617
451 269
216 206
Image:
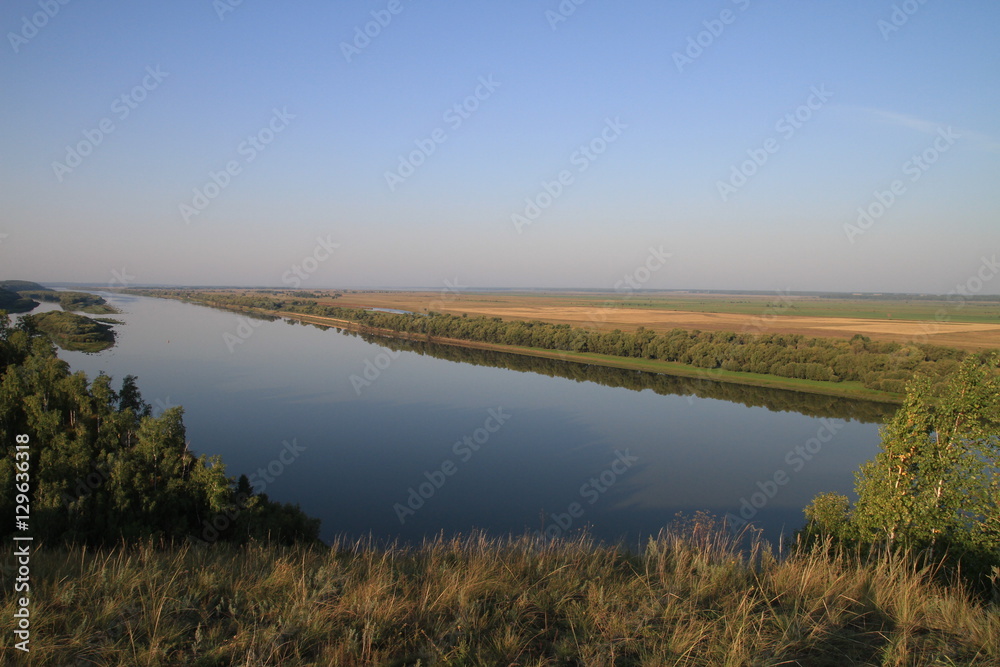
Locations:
402 441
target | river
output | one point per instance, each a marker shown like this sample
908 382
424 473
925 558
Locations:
403 440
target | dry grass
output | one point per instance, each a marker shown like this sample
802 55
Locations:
607 314
691 598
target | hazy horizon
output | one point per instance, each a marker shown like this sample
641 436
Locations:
730 145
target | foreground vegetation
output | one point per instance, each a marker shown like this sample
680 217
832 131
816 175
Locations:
123 571
691 598
104 468
934 487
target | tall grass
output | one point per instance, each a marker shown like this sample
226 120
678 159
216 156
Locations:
691 597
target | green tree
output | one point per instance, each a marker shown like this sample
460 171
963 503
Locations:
936 478
935 484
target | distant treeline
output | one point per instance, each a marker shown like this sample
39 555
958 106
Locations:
79 301
877 365
777 400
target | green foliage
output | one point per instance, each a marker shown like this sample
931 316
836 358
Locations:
12 302
937 478
813 404
74 301
72 332
103 468
935 484
830 513
877 365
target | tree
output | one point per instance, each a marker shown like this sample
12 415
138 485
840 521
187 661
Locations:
935 484
936 478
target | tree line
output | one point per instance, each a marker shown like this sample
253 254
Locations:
878 365
776 400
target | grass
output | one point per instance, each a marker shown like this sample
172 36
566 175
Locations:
847 389
692 597
921 310
957 310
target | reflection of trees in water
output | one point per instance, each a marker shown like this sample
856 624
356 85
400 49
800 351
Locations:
776 400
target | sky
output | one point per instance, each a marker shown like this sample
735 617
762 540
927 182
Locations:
849 146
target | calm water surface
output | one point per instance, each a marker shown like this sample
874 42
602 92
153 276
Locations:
375 424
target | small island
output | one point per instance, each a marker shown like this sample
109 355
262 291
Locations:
33 292
73 332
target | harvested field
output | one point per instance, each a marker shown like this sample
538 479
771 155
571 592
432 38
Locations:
766 314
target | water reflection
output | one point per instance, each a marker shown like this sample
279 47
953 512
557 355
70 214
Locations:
777 400
690 444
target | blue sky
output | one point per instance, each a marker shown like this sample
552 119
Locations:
685 94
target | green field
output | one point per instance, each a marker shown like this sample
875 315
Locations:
919 310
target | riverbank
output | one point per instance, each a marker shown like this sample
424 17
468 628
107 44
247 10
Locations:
843 389
839 389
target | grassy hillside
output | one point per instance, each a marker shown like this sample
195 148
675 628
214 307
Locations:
687 600
23 286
